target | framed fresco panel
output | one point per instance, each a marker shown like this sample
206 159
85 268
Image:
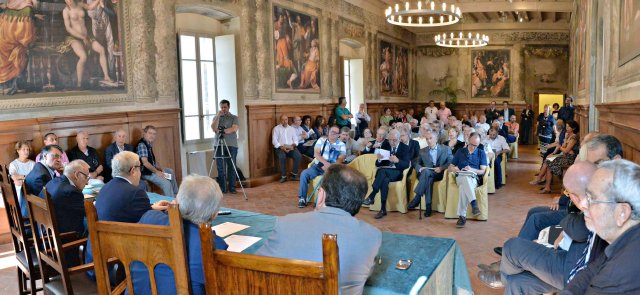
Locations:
60 48
393 69
491 73
629 41
296 51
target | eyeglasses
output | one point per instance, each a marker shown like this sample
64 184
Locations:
590 201
136 166
86 176
55 156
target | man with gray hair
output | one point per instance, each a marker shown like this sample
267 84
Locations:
297 236
430 166
66 194
389 170
199 199
612 206
468 164
119 145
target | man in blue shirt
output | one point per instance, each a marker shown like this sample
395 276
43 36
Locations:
327 151
468 163
199 199
566 112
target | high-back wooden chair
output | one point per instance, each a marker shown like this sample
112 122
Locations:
240 273
129 242
51 251
27 260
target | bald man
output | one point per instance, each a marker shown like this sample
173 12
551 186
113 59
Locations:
82 151
531 268
119 145
285 141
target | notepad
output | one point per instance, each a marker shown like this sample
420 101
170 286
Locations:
227 228
238 243
385 154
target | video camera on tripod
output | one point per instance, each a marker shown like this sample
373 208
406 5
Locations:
221 132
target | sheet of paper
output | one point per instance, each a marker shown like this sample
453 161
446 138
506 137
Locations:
385 154
227 228
551 158
167 176
237 243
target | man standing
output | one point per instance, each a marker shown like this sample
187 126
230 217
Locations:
473 162
389 171
430 166
82 151
284 140
362 121
151 170
297 236
443 113
343 115
42 172
431 112
226 125
119 145
499 146
492 113
566 112
526 122
327 151
506 111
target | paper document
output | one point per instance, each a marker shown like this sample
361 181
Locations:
551 158
309 143
385 154
238 243
227 228
466 173
167 176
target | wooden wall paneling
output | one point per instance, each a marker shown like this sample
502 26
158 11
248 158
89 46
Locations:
622 121
261 120
581 116
12 131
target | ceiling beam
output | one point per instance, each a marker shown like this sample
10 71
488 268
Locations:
539 16
553 17
471 16
487 6
518 26
512 15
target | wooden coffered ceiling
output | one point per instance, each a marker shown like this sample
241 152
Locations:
504 15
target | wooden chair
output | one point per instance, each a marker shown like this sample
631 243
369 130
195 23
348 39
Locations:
240 273
482 199
439 196
27 265
147 244
51 251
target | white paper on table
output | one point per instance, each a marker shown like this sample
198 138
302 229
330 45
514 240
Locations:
385 154
227 228
237 243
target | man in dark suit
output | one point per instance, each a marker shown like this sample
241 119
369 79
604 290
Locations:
119 145
379 143
89 155
491 113
430 166
199 199
414 146
42 173
506 111
68 202
392 171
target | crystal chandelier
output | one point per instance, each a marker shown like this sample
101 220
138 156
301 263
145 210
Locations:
429 15
461 40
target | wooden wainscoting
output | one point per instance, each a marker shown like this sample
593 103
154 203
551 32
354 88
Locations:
581 116
622 121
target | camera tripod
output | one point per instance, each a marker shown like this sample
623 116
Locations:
222 144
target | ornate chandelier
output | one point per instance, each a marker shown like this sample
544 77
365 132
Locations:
429 15
461 40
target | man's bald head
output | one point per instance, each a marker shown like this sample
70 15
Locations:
577 178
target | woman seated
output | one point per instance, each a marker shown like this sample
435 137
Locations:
453 141
387 118
319 127
361 143
20 167
555 165
306 126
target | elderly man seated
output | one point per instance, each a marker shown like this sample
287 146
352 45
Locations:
380 143
199 199
82 151
327 151
469 164
151 169
498 144
612 206
42 172
119 145
298 236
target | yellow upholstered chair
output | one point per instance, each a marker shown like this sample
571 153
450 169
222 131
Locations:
503 164
439 196
397 198
514 149
312 185
491 183
366 164
482 199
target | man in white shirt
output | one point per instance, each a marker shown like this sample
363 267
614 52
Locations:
285 141
301 135
499 146
483 123
431 112
327 151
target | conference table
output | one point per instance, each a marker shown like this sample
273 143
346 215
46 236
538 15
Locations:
438 265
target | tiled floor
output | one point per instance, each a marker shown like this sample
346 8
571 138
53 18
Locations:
507 208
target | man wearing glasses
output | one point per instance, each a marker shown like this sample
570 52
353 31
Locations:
42 172
327 151
612 211
66 194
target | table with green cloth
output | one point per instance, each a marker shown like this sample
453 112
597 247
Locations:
438 265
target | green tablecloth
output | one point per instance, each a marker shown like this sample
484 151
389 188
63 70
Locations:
426 253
